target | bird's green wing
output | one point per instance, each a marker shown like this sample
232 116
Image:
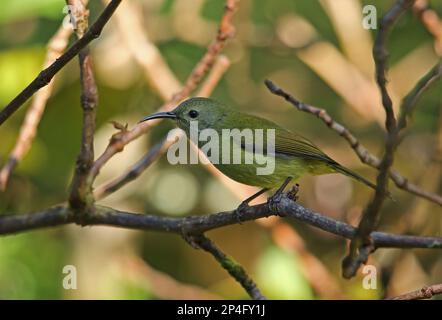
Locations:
292 144
286 143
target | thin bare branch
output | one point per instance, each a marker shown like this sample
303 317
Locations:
47 74
362 152
194 225
135 171
221 65
431 21
380 55
412 98
424 293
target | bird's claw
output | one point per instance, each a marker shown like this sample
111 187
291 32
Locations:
292 194
274 200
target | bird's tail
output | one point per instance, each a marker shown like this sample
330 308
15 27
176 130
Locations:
341 169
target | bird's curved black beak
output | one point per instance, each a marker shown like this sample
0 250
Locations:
160 115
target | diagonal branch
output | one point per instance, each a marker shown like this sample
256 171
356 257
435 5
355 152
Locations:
424 293
362 152
47 74
135 171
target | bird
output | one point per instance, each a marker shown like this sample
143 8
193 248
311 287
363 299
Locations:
293 154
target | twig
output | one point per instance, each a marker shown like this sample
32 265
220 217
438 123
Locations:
221 65
135 171
231 266
412 98
81 188
194 225
364 155
47 74
56 45
380 55
361 246
424 293
225 31
219 68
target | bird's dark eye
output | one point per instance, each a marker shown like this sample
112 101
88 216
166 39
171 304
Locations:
193 114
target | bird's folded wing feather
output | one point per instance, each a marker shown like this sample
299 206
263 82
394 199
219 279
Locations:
292 144
286 143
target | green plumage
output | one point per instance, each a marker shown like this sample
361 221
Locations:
294 155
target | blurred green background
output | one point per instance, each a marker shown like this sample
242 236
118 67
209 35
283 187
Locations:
309 48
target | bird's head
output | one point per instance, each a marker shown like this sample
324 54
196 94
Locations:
207 112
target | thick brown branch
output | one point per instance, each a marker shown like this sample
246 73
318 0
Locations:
81 190
364 155
47 74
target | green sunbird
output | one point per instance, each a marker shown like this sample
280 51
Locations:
293 154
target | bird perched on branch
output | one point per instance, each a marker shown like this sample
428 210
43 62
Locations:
292 154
